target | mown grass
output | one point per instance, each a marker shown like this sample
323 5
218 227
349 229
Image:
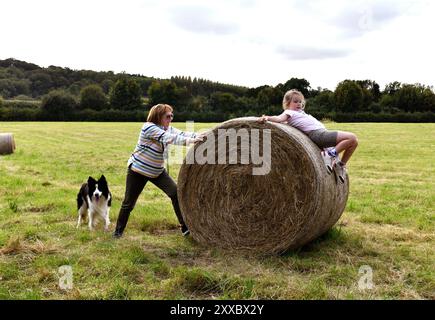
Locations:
388 225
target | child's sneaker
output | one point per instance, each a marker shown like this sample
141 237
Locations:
328 160
340 170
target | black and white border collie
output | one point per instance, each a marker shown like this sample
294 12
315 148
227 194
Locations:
94 200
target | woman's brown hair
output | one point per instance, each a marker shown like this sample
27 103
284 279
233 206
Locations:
157 113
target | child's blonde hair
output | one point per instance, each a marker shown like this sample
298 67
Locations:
289 96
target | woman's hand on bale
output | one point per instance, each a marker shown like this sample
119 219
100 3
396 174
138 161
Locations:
198 138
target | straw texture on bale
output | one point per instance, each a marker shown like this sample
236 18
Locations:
226 206
7 143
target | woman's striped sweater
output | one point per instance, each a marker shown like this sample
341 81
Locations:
148 156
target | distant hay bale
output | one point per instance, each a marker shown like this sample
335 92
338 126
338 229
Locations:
7 143
226 206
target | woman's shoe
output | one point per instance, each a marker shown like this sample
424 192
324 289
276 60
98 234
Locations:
184 230
116 235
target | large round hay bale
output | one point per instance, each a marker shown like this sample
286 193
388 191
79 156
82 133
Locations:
7 143
227 206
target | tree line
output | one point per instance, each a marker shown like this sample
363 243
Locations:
29 92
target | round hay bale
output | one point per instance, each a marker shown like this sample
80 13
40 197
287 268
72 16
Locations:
7 143
227 206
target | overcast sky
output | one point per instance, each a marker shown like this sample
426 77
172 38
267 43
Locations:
242 42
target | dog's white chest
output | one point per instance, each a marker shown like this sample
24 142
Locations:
99 207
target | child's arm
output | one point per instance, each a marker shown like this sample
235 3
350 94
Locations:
281 118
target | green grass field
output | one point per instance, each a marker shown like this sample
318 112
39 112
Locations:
388 225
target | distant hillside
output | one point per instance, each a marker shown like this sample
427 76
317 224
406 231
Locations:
29 92
28 79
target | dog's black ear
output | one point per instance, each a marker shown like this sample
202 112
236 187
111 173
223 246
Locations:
90 179
102 178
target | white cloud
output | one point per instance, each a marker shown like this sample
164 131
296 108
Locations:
311 53
244 42
203 20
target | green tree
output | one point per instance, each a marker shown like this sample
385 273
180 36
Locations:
41 83
371 91
58 105
6 88
323 101
428 100
93 97
392 87
269 96
74 89
144 83
387 103
125 94
247 106
349 96
13 87
223 101
107 84
164 91
411 98
199 103
167 91
300 84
